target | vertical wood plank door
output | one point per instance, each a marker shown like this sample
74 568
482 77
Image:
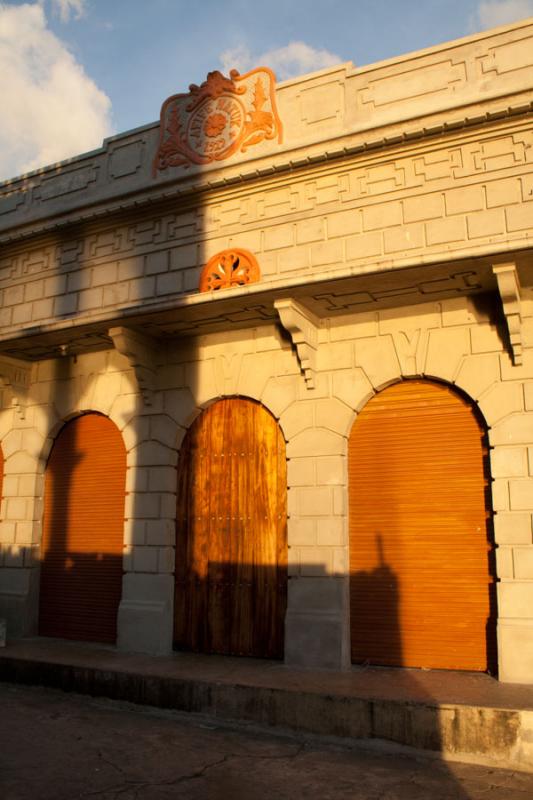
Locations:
421 571
83 524
231 533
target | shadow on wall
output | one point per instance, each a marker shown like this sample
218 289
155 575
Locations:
235 608
231 532
230 605
113 270
420 502
415 720
370 589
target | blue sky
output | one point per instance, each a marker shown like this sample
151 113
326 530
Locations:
140 52
72 71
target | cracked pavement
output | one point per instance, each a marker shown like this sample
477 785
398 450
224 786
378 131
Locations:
56 746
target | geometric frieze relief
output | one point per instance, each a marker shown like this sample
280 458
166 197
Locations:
438 77
457 282
65 184
506 57
418 172
16 376
200 319
423 169
220 117
10 202
125 159
71 342
509 289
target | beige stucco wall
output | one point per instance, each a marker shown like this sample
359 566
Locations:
456 340
457 197
396 190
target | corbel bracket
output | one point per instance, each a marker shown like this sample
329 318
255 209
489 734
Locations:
140 350
509 288
302 325
16 376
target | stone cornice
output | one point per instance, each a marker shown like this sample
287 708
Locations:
335 151
318 293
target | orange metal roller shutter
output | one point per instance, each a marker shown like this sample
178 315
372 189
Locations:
421 580
81 570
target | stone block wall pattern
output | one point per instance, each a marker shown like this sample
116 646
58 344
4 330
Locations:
392 228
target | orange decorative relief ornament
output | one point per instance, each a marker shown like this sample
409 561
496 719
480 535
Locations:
229 268
221 117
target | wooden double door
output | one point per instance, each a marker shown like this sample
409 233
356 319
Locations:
231 533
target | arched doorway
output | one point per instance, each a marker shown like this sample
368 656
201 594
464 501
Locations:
421 572
83 524
231 533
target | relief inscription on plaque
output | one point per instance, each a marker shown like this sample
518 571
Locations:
220 117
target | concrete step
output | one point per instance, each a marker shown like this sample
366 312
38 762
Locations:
459 716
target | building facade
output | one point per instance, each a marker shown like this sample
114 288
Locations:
267 371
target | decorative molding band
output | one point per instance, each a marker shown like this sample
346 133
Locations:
290 160
302 325
140 350
16 376
509 288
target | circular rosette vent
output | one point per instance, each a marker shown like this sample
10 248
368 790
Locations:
234 267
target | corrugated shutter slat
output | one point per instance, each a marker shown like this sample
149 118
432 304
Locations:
81 570
421 586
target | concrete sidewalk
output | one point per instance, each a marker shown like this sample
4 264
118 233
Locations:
461 716
58 746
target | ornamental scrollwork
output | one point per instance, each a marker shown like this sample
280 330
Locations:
229 268
220 117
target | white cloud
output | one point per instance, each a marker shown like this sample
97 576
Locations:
294 59
51 109
64 8
492 13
